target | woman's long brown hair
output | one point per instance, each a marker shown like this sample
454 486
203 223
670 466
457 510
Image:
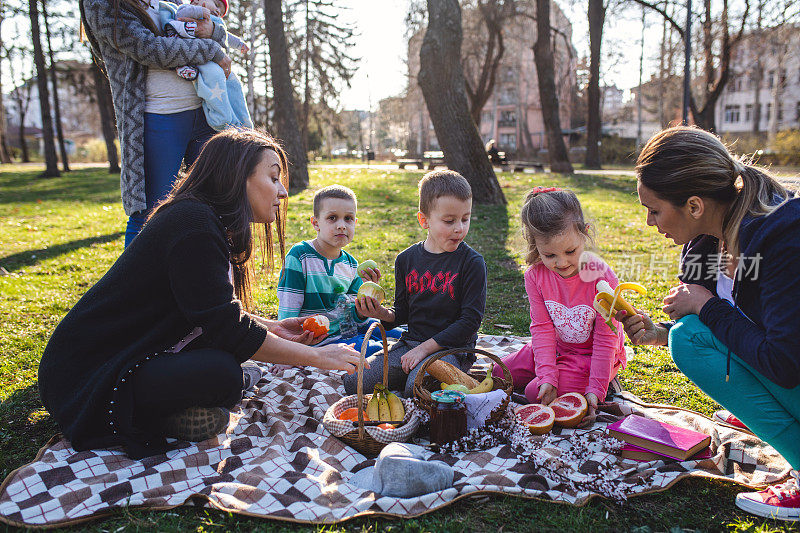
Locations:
681 162
218 178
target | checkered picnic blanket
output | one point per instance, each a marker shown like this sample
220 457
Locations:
276 460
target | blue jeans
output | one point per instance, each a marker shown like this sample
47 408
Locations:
770 411
375 340
168 140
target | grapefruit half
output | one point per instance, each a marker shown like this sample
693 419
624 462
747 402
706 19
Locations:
569 409
538 418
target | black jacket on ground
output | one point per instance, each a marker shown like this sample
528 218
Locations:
171 278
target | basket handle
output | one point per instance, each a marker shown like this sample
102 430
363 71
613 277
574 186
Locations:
422 393
360 370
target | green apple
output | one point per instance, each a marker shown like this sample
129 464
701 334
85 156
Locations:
373 290
369 263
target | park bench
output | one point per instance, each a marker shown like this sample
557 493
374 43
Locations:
417 162
520 166
432 159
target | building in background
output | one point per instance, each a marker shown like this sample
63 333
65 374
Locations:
513 114
777 93
80 118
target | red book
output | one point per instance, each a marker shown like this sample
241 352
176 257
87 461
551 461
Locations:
631 451
660 437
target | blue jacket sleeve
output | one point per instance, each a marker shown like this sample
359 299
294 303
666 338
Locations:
773 350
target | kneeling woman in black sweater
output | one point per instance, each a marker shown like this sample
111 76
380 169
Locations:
154 349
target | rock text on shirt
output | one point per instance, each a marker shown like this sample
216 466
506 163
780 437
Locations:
441 282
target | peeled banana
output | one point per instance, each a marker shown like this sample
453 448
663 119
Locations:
608 301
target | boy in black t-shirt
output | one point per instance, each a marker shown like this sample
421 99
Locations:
440 288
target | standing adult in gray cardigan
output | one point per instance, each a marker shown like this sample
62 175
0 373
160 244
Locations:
159 115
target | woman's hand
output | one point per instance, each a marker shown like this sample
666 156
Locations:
591 412
547 393
641 330
339 357
225 63
291 329
686 299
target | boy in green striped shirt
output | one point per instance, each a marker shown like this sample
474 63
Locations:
317 272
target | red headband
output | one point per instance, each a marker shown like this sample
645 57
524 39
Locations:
539 190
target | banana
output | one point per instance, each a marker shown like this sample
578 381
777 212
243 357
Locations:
396 408
486 385
383 407
373 410
608 301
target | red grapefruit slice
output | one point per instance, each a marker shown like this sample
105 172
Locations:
569 409
537 417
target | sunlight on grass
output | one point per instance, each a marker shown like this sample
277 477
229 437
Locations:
59 236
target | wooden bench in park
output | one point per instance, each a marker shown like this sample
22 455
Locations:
520 166
417 162
430 159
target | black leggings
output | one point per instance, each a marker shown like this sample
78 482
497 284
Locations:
170 383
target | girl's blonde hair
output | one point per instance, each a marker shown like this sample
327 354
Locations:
547 213
681 162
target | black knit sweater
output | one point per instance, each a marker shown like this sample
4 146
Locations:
172 278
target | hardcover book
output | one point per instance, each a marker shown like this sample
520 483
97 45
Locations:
660 437
631 451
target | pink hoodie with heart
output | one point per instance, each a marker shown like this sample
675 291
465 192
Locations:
571 348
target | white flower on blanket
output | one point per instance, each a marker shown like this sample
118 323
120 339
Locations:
573 324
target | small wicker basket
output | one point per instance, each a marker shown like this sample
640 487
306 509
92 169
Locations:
424 383
360 438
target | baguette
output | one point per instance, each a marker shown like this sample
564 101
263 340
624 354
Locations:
447 373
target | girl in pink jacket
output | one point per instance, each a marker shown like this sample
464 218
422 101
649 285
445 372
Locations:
572 349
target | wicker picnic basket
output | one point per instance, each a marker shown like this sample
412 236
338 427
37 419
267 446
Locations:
369 440
424 383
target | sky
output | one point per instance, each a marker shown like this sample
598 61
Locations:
381 45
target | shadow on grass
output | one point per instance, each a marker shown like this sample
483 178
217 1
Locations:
24 428
31 257
87 185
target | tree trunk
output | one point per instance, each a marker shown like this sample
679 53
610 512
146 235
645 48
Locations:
545 71
51 160
105 105
5 153
54 81
597 15
441 79
306 81
758 72
26 157
251 64
286 127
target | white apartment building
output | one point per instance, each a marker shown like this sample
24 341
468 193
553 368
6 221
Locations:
779 90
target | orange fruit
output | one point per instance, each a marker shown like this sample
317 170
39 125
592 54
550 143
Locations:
351 414
386 425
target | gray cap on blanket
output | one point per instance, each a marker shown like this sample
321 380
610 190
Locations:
403 471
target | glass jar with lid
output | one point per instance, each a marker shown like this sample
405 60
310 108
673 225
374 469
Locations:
448 417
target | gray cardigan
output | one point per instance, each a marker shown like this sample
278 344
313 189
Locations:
126 60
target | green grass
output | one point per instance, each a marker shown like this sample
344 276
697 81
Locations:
58 236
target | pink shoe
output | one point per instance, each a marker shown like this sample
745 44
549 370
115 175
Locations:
727 417
779 502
